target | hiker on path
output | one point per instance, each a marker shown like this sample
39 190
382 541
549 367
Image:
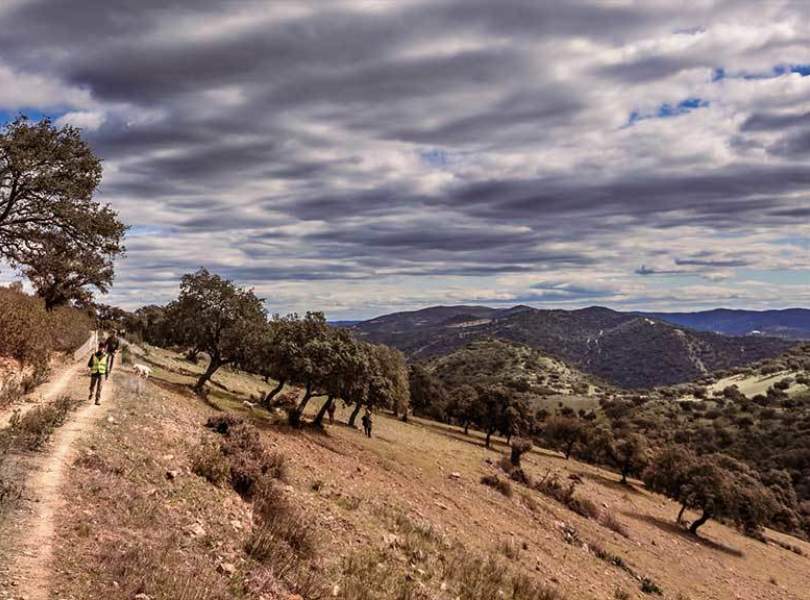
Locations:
331 410
98 370
111 346
367 423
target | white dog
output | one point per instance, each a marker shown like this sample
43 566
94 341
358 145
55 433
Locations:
142 371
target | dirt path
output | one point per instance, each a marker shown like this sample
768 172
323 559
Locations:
30 568
47 392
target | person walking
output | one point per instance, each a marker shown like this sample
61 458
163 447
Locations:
98 369
111 346
331 411
367 422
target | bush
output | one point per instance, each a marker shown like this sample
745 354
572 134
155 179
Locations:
209 462
609 520
246 456
31 430
503 486
30 333
519 447
552 487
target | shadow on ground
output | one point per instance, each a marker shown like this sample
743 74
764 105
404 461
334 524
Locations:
675 529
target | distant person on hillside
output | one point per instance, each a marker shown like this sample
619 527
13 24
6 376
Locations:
367 422
331 410
111 346
98 369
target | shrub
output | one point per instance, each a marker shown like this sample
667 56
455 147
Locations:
552 487
30 332
222 423
493 481
519 447
609 520
209 462
648 586
31 430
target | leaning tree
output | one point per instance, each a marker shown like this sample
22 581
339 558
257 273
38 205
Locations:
51 227
221 319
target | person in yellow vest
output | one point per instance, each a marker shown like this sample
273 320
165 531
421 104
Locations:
98 369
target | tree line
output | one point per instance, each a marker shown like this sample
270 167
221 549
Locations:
231 326
631 436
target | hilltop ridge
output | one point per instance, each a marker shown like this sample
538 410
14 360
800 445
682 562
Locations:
626 349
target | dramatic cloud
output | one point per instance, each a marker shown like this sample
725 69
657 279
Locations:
358 156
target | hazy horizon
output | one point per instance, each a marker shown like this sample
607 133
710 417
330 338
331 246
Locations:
364 157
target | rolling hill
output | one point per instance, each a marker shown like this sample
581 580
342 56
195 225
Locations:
791 323
625 349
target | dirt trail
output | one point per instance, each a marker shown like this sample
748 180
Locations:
47 392
30 568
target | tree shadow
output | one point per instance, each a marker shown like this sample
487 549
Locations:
673 528
614 484
446 431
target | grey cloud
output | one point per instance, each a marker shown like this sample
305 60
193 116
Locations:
283 176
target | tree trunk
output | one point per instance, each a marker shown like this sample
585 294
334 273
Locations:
298 411
568 449
466 428
318 422
625 469
703 518
489 436
272 393
679 520
355 412
213 365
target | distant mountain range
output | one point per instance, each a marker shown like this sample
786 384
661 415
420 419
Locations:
791 323
627 349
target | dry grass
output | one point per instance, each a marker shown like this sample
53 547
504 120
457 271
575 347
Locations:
31 430
495 482
388 520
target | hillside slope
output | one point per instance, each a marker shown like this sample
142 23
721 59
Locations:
790 323
493 361
622 348
401 515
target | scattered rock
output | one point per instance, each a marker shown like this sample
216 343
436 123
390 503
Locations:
196 530
172 474
455 475
226 568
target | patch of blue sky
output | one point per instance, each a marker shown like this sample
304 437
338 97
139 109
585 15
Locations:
147 230
434 157
7 116
779 70
667 110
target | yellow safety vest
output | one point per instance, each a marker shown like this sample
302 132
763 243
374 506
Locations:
99 365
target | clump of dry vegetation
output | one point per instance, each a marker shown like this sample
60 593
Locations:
30 332
31 430
495 482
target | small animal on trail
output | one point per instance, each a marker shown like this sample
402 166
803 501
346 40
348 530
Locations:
142 371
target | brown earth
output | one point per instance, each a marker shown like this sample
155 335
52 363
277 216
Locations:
135 520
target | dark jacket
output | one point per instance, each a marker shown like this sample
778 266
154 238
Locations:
111 345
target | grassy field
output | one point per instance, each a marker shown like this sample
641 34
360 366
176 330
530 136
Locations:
401 516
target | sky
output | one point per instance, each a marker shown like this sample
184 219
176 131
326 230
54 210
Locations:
367 156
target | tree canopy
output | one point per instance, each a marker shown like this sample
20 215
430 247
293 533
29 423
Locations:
223 320
51 227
